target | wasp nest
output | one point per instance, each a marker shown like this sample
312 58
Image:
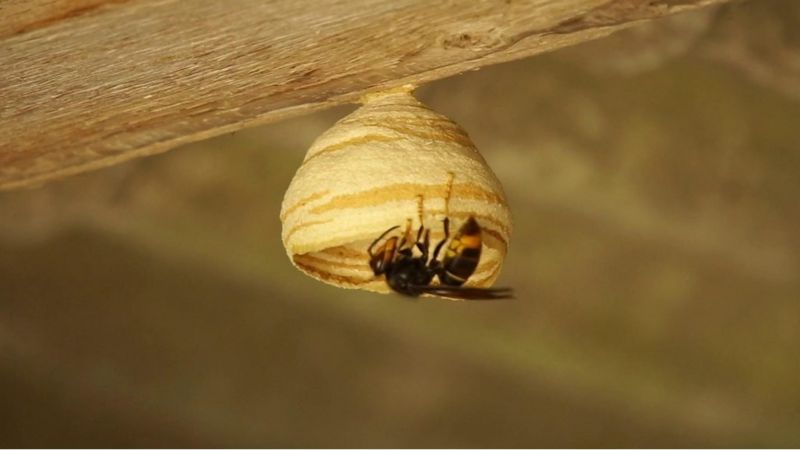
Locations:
377 168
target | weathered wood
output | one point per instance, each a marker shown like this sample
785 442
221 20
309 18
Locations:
89 83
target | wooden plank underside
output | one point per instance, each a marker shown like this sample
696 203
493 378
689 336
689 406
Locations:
89 83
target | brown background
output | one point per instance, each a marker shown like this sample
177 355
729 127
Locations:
654 179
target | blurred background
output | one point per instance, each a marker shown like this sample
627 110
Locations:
654 178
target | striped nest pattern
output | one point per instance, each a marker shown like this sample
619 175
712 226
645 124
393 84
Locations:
373 170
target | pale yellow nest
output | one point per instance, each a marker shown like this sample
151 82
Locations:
366 174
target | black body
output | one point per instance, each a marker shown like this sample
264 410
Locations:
412 275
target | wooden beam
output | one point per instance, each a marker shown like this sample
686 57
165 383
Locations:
89 83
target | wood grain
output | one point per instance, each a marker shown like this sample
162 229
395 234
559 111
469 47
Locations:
85 84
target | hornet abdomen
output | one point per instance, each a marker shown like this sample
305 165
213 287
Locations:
463 254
